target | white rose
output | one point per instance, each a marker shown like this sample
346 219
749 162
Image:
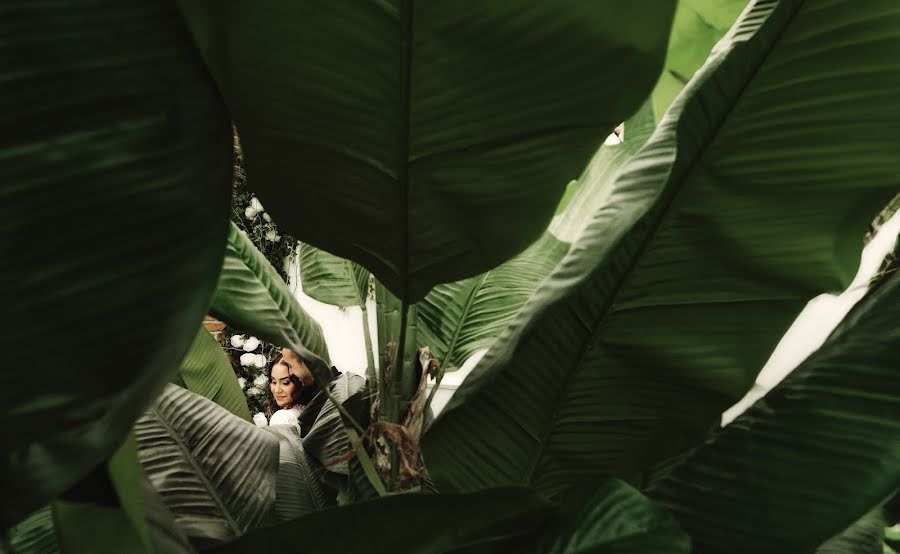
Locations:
255 203
237 341
260 380
272 236
259 419
267 217
261 360
242 382
250 212
254 391
248 359
250 344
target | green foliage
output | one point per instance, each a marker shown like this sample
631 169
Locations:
206 371
116 175
432 151
711 241
427 523
381 146
215 471
828 432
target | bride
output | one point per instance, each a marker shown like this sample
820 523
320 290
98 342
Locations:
289 390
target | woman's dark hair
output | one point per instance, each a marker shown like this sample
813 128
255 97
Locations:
271 405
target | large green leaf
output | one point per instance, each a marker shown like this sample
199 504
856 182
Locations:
112 510
611 518
214 471
332 279
35 534
458 319
404 523
864 536
252 297
812 456
697 26
206 371
434 144
116 168
299 486
713 238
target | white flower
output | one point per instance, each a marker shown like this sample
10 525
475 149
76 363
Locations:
237 341
260 380
250 212
251 344
261 360
267 217
242 382
272 236
259 419
248 359
255 203
254 391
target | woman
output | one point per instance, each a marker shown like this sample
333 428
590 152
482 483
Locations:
291 386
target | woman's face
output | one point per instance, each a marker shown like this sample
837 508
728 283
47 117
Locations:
283 389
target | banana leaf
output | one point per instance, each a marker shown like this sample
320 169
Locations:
458 319
205 370
214 471
817 453
712 239
430 523
697 26
116 172
252 297
435 144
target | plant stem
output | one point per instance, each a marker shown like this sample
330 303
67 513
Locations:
370 355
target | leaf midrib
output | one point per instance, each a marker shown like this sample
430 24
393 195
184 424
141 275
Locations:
657 223
188 455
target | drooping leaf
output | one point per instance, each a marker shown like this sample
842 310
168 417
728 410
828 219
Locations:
460 318
116 166
812 456
434 145
35 534
697 26
252 297
299 486
215 472
864 536
430 523
112 510
713 238
612 518
332 279
206 371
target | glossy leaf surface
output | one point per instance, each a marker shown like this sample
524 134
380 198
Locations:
433 145
116 172
712 239
817 453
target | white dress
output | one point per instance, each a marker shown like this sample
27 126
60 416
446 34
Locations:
285 417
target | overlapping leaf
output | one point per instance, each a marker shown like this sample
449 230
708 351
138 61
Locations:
252 297
431 523
116 167
434 145
698 24
460 318
214 471
332 279
746 202
205 370
815 454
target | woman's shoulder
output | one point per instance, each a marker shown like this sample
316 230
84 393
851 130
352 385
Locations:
285 417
